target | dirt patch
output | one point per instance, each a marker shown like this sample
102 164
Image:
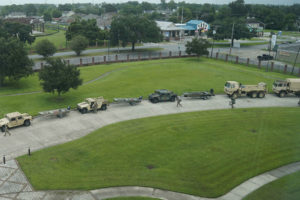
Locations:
253 131
150 167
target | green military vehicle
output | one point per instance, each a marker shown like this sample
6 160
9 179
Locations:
234 90
162 95
15 119
91 104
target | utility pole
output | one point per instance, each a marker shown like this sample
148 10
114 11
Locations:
231 39
296 61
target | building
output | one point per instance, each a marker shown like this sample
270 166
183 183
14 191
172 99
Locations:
169 30
194 27
255 25
104 21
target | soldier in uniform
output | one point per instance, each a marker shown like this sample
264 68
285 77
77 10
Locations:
178 99
6 131
95 107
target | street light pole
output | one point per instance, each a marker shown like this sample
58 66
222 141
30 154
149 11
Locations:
212 47
231 39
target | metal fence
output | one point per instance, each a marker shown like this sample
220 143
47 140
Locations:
130 57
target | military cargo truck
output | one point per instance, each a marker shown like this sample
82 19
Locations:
15 119
91 104
234 90
287 86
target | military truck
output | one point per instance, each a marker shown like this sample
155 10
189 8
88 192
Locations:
162 95
15 119
89 104
287 86
234 90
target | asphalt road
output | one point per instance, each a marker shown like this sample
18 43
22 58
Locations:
45 132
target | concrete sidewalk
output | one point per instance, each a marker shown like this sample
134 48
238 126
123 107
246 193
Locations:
14 185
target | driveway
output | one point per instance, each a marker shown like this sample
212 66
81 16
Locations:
45 132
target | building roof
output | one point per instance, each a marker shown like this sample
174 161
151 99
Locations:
195 22
167 26
187 28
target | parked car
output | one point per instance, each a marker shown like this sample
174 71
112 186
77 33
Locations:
265 57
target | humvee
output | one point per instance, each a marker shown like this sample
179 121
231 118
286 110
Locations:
15 119
88 104
162 95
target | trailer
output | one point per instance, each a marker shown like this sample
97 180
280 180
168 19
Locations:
131 101
60 113
199 95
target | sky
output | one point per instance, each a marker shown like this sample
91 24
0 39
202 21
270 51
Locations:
276 2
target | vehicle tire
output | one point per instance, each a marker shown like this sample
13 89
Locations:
103 107
155 100
3 128
254 94
261 95
282 94
27 123
234 96
172 99
84 110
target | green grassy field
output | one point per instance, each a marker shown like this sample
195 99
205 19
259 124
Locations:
132 198
137 79
285 188
200 153
58 39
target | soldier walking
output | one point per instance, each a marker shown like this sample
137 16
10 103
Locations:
95 107
6 131
178 99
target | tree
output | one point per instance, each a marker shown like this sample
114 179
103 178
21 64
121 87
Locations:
172 5
45 48
224 29
17 30
47 16
134 29
58 76
14 61
30 9
86 28
238 8
197 46
78 44
56 13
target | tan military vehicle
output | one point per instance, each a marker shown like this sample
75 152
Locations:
287 86
91 104
15 119
234 90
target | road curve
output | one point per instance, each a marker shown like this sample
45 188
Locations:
45 132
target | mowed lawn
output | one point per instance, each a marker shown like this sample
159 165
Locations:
285 188
200 153
135 79
58 39
132 198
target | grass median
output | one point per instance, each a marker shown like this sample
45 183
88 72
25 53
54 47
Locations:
133 79
200 153
284 188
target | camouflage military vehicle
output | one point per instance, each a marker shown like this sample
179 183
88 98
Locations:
284 87
15 119
162 95
89 104
234 90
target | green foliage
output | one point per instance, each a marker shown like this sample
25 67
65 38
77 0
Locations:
78 44
201 153
47 16
30 10
56 13
197 46
87 28
14 61
134 29
58 76
238 8
45 48
17 30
